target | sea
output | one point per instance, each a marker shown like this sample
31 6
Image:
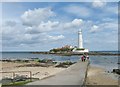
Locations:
109 62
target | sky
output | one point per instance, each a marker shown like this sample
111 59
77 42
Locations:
41 26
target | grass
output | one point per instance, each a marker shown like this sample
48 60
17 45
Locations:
80 49
17 83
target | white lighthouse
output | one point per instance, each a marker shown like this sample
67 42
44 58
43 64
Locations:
80 49
80 40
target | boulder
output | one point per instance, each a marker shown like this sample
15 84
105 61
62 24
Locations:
117 71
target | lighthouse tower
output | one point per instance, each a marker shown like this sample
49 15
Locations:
80 49
80 40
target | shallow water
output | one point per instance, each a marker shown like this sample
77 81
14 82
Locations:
107 62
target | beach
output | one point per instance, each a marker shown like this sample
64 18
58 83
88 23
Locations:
100 76
37 71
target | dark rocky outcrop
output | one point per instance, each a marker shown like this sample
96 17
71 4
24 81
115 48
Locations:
117 71
65 64
68 52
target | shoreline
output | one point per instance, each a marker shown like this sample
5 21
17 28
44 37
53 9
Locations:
71 53
104 53
99 76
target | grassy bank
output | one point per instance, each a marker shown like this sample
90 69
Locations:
20 83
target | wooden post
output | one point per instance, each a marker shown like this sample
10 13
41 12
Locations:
30 76
13 76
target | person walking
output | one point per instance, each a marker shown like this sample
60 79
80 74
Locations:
82 58
87 57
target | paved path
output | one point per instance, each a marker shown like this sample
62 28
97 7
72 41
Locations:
74 75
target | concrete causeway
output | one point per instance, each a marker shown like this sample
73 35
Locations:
74 75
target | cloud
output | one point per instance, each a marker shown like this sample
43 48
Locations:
112 10
109 26
98 3
34 17
16 39
94 29
106 27
107 19
56 37
74 23
14 36
10 23
22 35
10 29
42 27
77 10
77 22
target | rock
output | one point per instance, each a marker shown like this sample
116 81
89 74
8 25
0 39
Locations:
65 64
118 63
117 71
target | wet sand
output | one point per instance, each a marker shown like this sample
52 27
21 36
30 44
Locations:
99 76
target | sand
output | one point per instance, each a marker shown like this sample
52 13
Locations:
6 65
37 72
99 76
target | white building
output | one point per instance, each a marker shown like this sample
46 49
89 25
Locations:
80 48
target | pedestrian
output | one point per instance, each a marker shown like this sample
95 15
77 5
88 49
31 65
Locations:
82 58
87 57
